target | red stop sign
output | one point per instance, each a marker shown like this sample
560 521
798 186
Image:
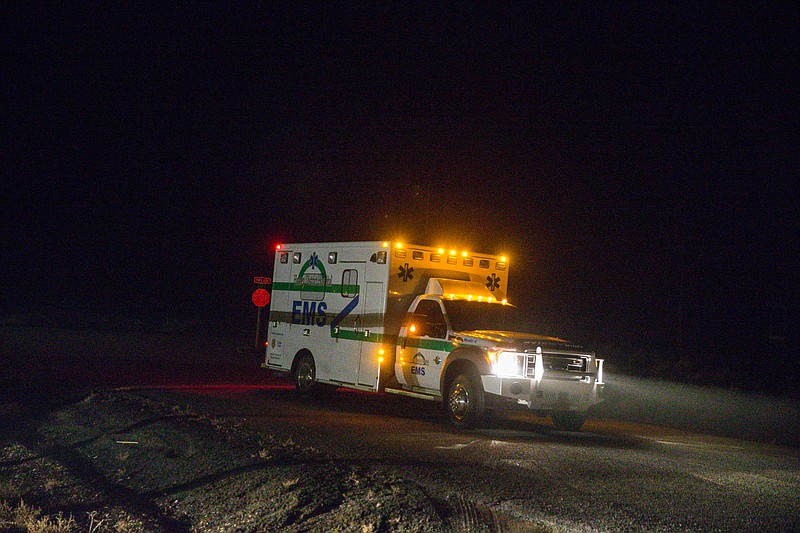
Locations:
260 297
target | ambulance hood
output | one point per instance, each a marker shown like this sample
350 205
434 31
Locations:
511 339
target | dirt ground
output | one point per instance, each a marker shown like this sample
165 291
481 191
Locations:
118 461
78 456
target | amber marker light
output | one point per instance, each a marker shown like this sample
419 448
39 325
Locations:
380 361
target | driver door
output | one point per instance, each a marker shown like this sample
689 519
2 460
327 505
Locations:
424 346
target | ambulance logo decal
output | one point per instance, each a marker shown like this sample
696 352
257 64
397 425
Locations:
313 263
314 260
406 272
492 282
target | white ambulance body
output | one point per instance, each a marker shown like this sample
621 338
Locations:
423 322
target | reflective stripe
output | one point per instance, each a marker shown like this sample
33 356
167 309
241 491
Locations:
335 287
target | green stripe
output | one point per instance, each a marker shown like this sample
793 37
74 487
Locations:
380 338
352 335
372 320
340 288
427 344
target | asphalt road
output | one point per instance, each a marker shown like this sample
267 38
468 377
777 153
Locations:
611 476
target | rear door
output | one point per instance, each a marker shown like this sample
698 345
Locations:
371 333
281 345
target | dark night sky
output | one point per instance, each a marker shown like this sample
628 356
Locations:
639 164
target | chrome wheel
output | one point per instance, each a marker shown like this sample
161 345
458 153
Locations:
464 401
459 401
306 373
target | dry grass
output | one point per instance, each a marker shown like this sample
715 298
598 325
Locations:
51 483
289 483
94 523
8 489
29 518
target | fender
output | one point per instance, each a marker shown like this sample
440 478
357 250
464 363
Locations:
474 354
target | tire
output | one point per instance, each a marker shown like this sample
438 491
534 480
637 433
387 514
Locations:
568 420
305 375
464 402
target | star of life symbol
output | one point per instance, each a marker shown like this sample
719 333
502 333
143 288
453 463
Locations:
314 260
406 272
492 282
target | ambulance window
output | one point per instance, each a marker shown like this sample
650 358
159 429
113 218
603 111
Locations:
312 287
349 283
284 257
428 320
332 257
296 257
484 263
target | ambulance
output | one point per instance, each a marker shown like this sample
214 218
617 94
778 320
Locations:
419 321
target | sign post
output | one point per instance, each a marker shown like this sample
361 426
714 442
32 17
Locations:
260 298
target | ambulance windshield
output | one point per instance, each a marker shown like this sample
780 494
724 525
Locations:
471 316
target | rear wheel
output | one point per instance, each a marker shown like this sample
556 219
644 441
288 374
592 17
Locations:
305 375
568 420
464 402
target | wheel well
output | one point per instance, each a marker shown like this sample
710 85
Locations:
297 357
454 369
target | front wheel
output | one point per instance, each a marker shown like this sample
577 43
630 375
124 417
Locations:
464 402
568 420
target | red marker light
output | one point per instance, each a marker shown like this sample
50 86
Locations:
278 247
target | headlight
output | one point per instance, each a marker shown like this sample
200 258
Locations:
508 364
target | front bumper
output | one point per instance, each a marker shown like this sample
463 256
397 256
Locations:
566 393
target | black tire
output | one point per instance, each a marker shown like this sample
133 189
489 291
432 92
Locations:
568 420
464 401
305 375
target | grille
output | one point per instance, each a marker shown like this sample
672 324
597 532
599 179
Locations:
560 363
